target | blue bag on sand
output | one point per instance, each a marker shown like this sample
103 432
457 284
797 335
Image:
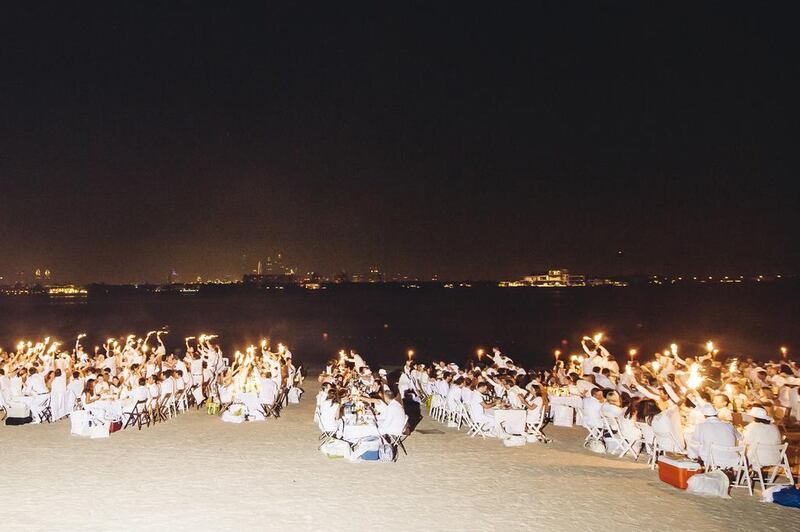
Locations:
787 497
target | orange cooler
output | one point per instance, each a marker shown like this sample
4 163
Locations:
677 471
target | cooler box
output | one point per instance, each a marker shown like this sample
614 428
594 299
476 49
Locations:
677 471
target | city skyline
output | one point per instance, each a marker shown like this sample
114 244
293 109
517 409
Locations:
458 142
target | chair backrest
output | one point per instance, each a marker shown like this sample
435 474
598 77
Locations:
724 457
647 432
764 455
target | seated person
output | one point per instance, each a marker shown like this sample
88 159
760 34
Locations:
591 407
761 431
713 431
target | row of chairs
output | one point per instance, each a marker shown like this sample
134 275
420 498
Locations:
744 471
459 415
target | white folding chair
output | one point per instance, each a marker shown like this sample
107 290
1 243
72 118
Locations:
649 443
732 459
475 428
611 426
595 433
535 429
454 415
780 465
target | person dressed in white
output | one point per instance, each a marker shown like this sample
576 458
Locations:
592 406
713 431
392 418
760 432
480 407
269 389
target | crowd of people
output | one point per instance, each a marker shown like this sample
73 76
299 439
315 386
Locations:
356 405
134 381
723 413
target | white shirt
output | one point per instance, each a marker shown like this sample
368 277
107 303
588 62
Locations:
717 432
591 412
761 433
392 419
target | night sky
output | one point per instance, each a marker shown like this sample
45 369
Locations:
475 143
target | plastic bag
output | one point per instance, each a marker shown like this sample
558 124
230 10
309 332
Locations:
712 484
336 449
514 441
597 446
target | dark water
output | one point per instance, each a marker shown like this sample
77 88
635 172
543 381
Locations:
384 322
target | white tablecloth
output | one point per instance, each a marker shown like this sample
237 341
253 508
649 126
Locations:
512 421
354 433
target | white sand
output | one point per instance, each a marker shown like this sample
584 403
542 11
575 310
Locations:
197 473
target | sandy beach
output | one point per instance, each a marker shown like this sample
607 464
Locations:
197 473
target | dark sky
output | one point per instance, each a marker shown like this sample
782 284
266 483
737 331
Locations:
472 142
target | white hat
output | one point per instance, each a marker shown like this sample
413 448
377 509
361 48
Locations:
758 413
708 410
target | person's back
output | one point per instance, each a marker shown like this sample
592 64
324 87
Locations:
453 397
269 391
328 415
757 435
393 419
591 412
714 431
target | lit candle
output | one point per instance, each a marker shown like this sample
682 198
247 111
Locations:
673 349
480 354
784 351
557 353
598 337
632 354
710 346
410 354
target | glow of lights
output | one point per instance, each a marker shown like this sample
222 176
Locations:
557 353
694 376
410 354
710 346
666 353
598 337
480 354
673 349
784 351
574 358
632 354
656 366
